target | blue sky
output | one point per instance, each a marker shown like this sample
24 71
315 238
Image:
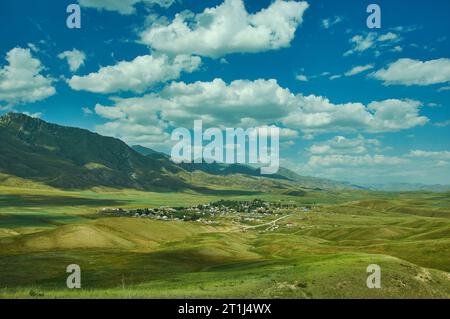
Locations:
356 104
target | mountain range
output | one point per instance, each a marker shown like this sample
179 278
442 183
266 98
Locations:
73 158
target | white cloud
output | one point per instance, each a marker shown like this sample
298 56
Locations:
397 48
328 23
87 111
36 115
359 69
439 155
415 72
21 80
138 75
354 71
33 47
372 40
388 37
335 77
302 78
317 114
227 28
445 88
358 168
361 43
394 115
336 160
136 132
443 124
343 145
360 160
75 58
357 160
244 103
110 113
122 6
240 103
366 169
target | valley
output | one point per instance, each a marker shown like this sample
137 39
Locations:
293 252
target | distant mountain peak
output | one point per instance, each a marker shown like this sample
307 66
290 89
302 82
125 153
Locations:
13 116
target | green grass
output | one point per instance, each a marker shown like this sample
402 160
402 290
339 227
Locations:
322 254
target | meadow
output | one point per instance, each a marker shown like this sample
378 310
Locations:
318 254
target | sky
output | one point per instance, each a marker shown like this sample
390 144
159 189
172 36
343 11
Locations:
354 104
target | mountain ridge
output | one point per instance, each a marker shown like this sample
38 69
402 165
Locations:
32 148
74 158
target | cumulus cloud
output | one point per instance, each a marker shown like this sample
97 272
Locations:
343 145
122 6
138 75
359 69
75 58
244 103
317 114
227 28
394 114
21 80
240 103
414 72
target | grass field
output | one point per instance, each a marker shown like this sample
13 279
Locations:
319 254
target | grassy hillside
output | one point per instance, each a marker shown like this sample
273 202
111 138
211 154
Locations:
318 254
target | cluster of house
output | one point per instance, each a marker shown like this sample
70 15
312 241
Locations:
162 213
205 212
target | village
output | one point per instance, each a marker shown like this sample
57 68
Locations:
240 211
